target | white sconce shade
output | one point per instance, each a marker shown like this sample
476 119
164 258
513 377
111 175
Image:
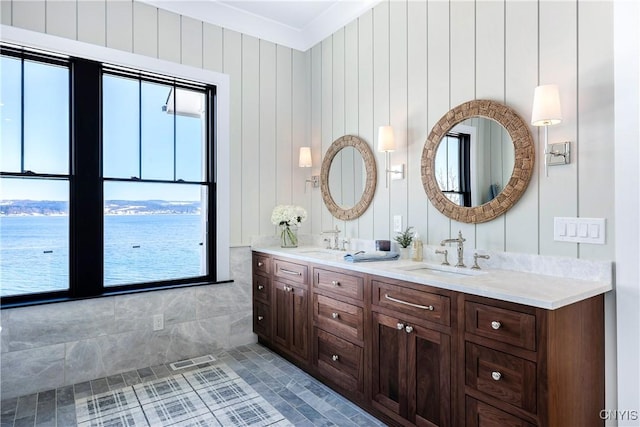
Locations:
386 141
546 106
305 157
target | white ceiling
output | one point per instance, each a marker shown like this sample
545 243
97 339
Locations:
298 24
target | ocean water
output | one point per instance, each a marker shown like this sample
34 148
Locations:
34 250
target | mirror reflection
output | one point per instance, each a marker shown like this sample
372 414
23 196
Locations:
347 177
474 161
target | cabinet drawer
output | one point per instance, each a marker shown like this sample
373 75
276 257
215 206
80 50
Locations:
290 271
261 319
345 320
479 414
505 377
339 360
426 305
339 283
509 326
261 263
261 288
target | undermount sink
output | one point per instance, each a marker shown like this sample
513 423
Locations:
321 252
441 270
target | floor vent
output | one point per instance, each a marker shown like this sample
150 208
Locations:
192 362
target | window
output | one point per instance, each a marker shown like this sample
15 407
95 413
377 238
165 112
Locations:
453 168
155 190
34 161
107 179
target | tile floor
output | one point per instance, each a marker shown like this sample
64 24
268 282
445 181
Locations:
249 385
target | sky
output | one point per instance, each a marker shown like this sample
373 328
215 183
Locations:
132 145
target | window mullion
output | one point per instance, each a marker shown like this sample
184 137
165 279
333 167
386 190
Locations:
87 205
140 129
22 115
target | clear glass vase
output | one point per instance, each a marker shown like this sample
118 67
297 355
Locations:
288 236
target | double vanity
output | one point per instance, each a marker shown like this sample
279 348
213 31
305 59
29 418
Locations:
430 345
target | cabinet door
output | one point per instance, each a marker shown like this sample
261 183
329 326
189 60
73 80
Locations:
289 317
389 370
299 313
429 377
280 316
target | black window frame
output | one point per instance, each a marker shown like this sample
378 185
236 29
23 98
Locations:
464 167
86 202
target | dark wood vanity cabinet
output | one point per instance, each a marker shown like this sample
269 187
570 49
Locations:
338 330
526 366
411 354
261 292
414 354
290 305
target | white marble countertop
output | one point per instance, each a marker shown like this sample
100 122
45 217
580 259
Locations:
537 290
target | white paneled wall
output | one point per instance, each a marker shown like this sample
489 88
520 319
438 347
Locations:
270 91
406 63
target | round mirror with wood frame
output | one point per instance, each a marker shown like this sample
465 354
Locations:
524 153
361 205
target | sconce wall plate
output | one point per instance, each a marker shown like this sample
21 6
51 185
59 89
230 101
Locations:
559 153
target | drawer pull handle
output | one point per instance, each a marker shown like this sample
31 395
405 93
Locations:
295 273
335 315
496 375
260 287
260 263
288 288
408 329
335 357
335 283
410 304
400 326
260 318
496 325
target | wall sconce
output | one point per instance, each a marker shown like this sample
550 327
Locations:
304 161
387 144
546 112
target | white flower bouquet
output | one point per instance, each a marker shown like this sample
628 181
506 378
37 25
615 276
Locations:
288 217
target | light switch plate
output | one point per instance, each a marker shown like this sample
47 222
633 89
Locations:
579 230
397 223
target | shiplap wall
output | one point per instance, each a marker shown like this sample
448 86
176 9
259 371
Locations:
269 91
406 63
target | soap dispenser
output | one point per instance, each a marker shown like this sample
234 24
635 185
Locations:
417 248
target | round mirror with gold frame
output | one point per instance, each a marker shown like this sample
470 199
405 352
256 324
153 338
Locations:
455 202
348 177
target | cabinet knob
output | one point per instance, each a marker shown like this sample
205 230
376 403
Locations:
496 375
408 329
335 315
260 287
260 263
496 325
335 357
335 283
400 326
260 318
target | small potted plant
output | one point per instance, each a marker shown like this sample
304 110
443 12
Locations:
404 239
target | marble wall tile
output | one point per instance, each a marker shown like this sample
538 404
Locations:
106 336
241 329
186 340
42 325
222 299
109 355
4 332
29 371
136 311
